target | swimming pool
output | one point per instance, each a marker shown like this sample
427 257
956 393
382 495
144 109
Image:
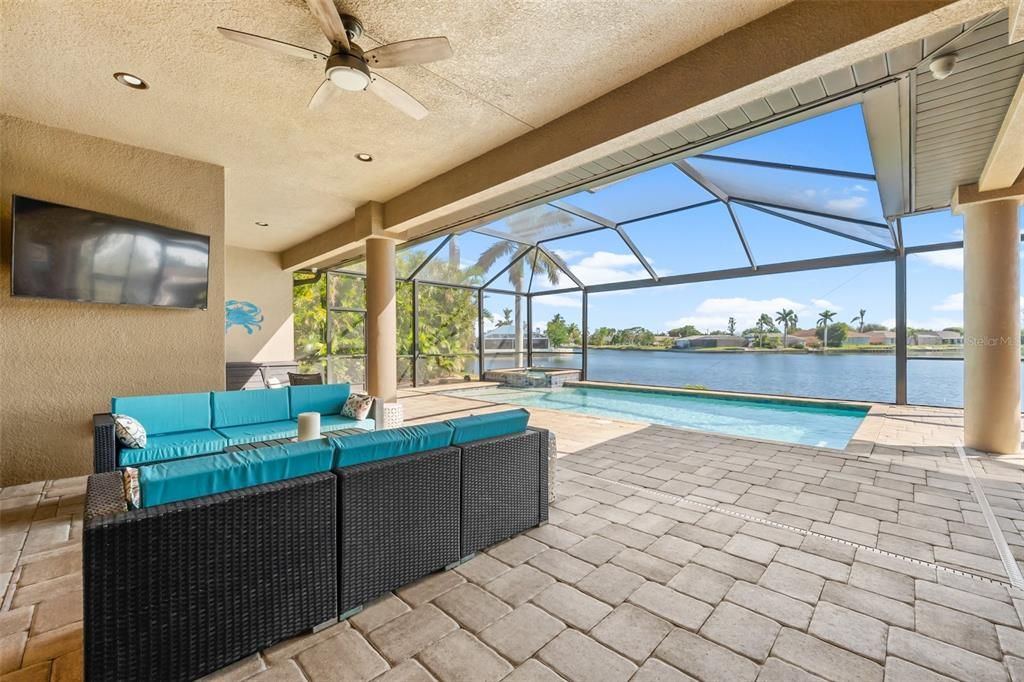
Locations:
829 426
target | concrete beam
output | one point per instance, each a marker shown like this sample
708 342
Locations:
1006 160
1016 8
331 245
784 48
968 195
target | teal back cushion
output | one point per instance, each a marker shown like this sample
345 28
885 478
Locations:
492 425
236 408
323 398
188 478
370 446
166 413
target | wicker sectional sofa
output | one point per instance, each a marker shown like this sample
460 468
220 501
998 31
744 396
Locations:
179 589
193 424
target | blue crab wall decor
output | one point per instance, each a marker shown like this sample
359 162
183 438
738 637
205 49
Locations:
242 314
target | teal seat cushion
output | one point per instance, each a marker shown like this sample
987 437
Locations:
170 413
165 446
322 398
336 422
251 433
237 408
357 448
492 425
189 478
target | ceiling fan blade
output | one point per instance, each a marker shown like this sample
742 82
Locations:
270 44
322 94
396 97
408 52
326 14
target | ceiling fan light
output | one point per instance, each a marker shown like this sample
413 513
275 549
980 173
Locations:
349 79
347 71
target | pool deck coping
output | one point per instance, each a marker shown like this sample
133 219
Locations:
875 410
766 397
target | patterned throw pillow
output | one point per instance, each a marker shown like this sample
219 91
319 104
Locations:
130 433
131 488
357 406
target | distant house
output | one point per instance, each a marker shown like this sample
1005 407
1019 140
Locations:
924 339
951 338
882 338
504 338
858 338
793 340
710 341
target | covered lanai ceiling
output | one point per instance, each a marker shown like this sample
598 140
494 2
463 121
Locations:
516 66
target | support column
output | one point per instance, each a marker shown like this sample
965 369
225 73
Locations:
991 321
381 320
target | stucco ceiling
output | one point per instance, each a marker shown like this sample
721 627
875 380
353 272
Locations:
517 65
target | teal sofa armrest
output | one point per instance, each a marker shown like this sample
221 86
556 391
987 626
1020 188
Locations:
490 425
358 448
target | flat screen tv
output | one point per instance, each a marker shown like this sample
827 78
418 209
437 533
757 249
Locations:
78 255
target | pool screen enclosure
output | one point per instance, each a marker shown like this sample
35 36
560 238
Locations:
797 198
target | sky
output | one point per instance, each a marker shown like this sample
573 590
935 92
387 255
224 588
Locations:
703 239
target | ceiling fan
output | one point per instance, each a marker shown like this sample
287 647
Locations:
347 66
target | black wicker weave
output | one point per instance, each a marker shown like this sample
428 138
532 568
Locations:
180 590
545 443
398 520
504 488
104 443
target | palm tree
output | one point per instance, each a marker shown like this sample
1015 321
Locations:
764 323
825 318
787 318
541 263
732 326
859 319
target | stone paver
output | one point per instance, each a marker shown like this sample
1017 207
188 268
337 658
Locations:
673 606
461 656
581 659
345 656
626 583
705 660
472 607
522 633
571 606
406 635
824 659
850 630
631 631
741 630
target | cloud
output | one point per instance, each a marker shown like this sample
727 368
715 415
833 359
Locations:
846 204
567 254
714 313
601 267
953 302
558 300
950 260
823 303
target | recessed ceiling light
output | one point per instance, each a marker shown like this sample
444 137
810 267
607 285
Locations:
262 224
364 157
131 80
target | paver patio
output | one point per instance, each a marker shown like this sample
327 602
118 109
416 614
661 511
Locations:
670 555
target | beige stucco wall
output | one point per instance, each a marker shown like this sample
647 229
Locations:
256 277
61 361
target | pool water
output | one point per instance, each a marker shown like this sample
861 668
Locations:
829 426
